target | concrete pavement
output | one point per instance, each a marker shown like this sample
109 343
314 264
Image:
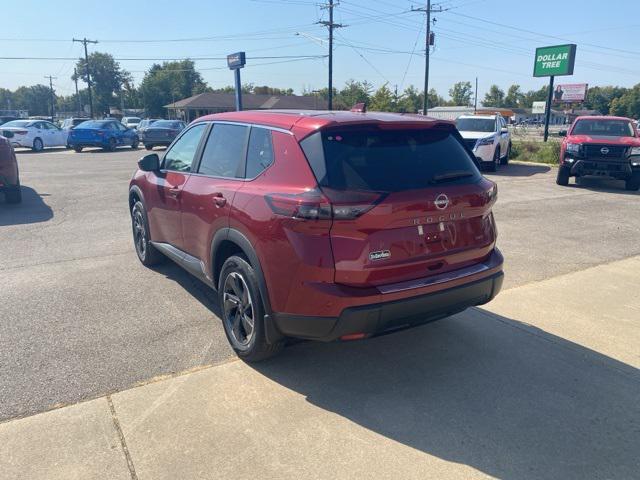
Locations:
538 384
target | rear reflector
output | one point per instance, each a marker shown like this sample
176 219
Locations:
353 336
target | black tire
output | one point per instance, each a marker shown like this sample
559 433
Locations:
505 159
241 305
493 166
149 147
13 194
38 146
563 176
135 143
632 184
111 147
77 149
147 253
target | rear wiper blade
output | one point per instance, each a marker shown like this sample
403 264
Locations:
453 175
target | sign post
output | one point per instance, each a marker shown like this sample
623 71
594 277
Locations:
235 62
549 62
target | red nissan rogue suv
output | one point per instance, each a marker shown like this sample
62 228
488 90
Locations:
321 225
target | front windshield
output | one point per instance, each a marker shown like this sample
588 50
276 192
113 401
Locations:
18 123
604 128
476 124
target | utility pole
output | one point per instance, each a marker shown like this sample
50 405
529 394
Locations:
53 98
428 42
78 102
331 26
84 41
475 98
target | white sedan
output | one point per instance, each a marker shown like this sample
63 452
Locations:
36 134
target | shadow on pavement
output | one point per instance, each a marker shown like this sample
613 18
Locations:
489 392
201 292
606 185
518 170
33 209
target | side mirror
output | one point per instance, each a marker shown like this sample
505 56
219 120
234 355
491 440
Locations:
504 130
7 134
149 163
562 133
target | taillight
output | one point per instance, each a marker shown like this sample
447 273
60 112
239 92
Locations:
309 205
323 205
492 193
20 132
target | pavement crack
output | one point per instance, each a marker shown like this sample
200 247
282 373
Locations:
123 442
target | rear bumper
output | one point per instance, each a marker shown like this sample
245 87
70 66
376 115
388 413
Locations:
87 143
455 294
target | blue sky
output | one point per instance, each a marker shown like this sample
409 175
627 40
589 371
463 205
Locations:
491 39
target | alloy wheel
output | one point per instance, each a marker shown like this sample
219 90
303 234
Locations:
139 233
238 309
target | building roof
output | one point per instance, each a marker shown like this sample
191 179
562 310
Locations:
303 122
213 101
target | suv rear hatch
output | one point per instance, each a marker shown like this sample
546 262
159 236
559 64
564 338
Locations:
408 202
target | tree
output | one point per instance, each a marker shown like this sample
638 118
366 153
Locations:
6 99
601 98
461 93
410 100
35 99
514 97
266 90
535 96
107 79
628 104
355 92
494 97
168 83
382 100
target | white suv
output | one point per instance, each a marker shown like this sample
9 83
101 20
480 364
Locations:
488 137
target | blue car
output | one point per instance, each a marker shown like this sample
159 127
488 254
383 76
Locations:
107 134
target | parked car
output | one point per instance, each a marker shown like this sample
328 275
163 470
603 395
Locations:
9 175
5 119
602 147
107 134
488 137
143 125
131 122
162 133
306 228
36 134
70 123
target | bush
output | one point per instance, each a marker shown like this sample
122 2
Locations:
532 151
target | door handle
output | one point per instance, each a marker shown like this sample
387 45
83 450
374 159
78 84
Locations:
174 192
219 200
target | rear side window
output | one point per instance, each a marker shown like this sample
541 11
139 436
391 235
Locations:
259 152
380 160
224 153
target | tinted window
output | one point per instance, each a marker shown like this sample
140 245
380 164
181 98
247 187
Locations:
476 124
387 161
259 152
180 156
93 124
168 124
606 128
224 151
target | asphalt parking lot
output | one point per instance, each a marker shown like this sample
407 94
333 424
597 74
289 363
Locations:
80 317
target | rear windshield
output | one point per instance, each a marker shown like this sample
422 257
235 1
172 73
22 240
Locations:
605 128
18 123
166 124
476 124
378 160
93 124
133 120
